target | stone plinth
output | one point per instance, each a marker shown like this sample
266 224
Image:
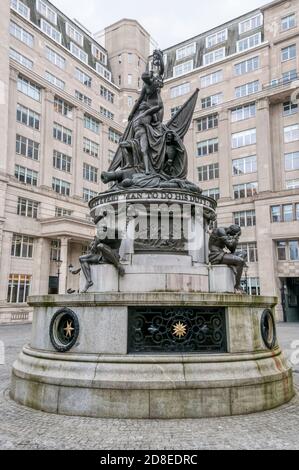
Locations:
151 273
221 279
100 377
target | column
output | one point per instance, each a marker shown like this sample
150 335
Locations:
78 153
225 163
46 150
11 131
5 263
64 266
41 269
264 155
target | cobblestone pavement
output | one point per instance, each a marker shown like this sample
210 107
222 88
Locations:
22 428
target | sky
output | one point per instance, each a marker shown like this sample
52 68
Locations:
168 21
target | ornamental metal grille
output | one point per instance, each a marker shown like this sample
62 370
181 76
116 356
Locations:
176 330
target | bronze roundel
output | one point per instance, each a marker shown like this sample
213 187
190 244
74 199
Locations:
64 330
268 329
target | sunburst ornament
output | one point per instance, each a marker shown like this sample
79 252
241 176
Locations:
69 329
179 330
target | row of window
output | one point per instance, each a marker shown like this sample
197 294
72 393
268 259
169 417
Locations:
288 250
285 213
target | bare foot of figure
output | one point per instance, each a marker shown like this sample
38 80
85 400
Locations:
88 285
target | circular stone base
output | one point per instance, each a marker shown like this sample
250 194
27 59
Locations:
111 371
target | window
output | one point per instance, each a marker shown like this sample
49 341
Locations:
60 212
62 107
54 80
55 58
242 139
248 43
216 38
207 122
247 89
281 251
50 31
62 134
287 213
288 53
251 250
21 59
46 11
292 184
79 53
74 34
27 208
130 101
211 79
28 117
22 246
21 34
25 175
61 187
91 123
244 166
213 193
90 173
208 172
20 8
62 162
276 214
183 68
292 161
130 58
291 133
18 288
88 194
107 94
294 250
111 154
83 98
288 22
207 147
91 148
214 56
180 90
211 101
289 76
245 190
247 66
244 112
186 51
83 78
28 88
55 254
104 72
251 23
114 136
106 113
130 79
27 147
99 54
245 218
251 285
289 108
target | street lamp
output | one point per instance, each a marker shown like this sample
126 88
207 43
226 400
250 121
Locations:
58 264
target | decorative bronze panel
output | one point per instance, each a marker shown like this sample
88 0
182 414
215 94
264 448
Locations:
177 330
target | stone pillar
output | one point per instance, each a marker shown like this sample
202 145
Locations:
11 132
263 136
64 266
5 264
4 81
77 159
47 141
41 270
225 163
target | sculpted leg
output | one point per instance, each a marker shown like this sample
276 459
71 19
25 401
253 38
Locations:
238 263
110 256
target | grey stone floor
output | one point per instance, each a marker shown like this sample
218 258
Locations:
22 428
